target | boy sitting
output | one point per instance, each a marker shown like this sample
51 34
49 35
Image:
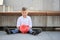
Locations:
23 20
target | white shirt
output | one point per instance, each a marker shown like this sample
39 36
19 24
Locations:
27 21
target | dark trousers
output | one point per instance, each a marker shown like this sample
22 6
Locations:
33 30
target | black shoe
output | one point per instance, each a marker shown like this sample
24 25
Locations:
34 33
37 31
7 30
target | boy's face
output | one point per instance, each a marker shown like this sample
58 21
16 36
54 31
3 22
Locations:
24 13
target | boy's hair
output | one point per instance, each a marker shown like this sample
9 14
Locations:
24 8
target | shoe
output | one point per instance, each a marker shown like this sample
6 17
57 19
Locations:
7 30
37 31
34 33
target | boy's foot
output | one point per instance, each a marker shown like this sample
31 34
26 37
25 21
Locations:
34 33
37 31
7 30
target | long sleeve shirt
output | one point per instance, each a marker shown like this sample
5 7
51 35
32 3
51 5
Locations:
27 21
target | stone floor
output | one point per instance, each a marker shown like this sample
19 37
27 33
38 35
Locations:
45 35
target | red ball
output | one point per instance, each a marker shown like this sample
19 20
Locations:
24 28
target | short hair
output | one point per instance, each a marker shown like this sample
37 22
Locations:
24 8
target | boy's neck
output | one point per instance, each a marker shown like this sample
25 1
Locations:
24 16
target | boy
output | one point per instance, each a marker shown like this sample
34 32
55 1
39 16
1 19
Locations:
24 19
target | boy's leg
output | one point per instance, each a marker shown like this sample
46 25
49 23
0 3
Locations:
7 30
35 31
38 30
11 31
32 32
15 31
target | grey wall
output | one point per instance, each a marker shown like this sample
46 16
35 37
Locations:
11 20
51 5
36 20
8 20
53 21
1 8
18 4
32 5
59 4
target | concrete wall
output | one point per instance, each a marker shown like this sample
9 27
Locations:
51 5
32 5
11 20
36 20
18 4
4 8
53 21
1 8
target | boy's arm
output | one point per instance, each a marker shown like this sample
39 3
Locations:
30 23
18 23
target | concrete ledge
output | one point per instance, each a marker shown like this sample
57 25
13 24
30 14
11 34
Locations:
32 13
